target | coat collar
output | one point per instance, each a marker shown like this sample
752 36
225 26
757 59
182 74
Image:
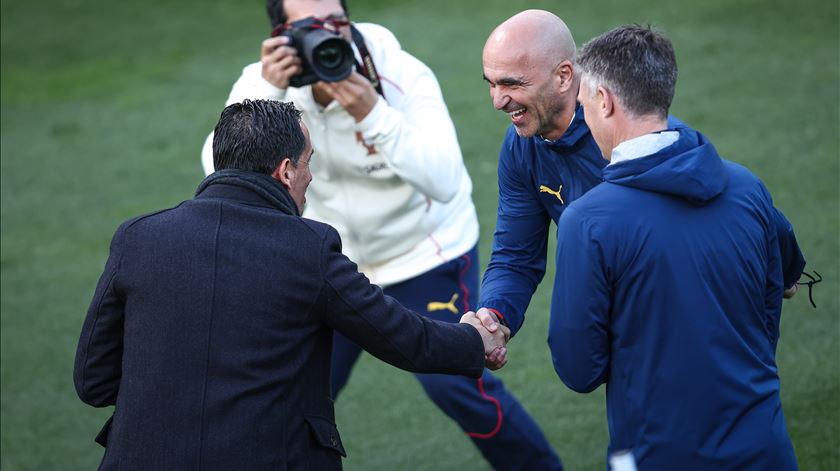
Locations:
250 186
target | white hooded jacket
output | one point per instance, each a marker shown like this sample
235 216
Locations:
394 185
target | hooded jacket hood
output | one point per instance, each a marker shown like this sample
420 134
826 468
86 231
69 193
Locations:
689 168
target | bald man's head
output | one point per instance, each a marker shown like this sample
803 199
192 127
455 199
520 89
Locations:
528 62
539 34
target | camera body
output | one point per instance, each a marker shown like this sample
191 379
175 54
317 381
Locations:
323 53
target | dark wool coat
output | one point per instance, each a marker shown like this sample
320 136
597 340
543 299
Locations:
211 331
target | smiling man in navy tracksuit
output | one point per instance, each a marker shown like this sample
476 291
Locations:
669 278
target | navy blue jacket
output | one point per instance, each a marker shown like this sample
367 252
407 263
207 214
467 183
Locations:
669 290
538 179
211 331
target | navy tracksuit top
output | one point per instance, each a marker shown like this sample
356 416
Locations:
537 180
669 290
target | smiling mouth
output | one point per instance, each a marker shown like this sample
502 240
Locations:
516 113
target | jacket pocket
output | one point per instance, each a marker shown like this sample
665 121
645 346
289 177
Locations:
102 436
325 433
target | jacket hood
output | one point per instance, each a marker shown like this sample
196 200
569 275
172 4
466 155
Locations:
689 168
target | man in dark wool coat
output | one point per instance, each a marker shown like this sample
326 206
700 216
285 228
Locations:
211 327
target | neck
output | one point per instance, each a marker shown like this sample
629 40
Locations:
633 127
561 121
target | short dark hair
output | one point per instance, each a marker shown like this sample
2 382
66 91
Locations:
277 14
636 63
256 135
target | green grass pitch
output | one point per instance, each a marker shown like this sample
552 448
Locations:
105 105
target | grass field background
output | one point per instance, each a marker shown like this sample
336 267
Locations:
105 106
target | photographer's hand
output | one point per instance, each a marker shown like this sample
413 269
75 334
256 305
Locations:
279 61
355 94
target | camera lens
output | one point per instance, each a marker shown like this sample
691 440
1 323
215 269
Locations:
326 56
329 56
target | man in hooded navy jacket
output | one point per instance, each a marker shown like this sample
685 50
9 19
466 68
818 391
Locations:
211 327
669 278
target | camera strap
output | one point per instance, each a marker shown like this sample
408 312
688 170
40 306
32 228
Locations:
366 68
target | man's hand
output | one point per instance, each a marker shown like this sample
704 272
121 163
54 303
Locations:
495 340
280 61
789 292
489 319
355 94
496 359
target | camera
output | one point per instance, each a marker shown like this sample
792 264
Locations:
323 53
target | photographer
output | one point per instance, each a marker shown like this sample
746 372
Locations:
389 176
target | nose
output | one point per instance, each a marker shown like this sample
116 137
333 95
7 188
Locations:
500 99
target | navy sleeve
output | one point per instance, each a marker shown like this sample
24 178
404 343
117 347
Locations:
578 331
98 366
518 261
791 256
774 281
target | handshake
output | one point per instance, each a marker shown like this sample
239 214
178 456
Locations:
493 334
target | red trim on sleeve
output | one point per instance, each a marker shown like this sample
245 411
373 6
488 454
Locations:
494 311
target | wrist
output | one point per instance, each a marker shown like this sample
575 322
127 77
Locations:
372 119
500 318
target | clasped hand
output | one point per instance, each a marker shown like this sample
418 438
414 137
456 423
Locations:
494 336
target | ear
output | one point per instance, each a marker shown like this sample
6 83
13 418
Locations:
284 173
606 102
565 75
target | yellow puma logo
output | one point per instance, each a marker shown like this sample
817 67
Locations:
545 189
438 306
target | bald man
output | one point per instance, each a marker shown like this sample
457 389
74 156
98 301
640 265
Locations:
548 158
